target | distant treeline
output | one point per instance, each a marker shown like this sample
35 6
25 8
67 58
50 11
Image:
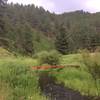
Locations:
27 29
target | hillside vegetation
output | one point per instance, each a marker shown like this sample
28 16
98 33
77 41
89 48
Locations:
33 37
27 29
20 81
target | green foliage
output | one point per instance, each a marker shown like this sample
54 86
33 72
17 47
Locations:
28 29
22 81
61 42
51 57
41 42
92 61
24 41
2 22
18 81
77 78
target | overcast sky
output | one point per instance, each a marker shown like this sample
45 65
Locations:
60 6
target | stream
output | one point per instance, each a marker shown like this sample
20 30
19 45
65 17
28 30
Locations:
55 91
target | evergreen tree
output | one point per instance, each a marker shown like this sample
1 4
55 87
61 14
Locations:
24 39
61 42
28 40
2 23
19 25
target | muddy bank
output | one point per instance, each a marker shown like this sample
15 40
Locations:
56 91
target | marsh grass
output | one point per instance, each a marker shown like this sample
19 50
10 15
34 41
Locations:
5 91
92 62
20 82
77 78
20 79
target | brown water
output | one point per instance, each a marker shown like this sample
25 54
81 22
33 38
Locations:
56 91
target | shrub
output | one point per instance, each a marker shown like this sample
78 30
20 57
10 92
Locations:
51 58
40 54
92 62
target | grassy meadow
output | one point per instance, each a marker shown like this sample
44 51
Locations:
77 78
19 82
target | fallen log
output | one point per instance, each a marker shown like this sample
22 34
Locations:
46 67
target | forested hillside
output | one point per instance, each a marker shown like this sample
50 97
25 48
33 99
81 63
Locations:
27 29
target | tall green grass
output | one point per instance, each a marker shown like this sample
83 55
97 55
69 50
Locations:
77 78
20 82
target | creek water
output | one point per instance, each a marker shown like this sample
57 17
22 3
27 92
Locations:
56 91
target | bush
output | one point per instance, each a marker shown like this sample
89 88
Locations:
92 62
40 54
51 58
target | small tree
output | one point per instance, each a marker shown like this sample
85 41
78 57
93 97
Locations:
61 42
51 58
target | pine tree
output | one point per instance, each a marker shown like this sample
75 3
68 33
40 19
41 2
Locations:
2 22
2 5
28 40
61 42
